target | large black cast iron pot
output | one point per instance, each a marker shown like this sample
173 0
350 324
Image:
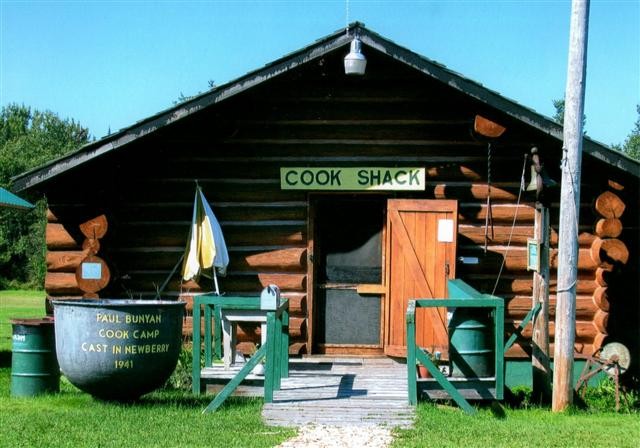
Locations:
118 349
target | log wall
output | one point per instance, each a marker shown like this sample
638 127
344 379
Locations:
314 116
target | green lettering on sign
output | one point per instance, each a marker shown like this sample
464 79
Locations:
352 178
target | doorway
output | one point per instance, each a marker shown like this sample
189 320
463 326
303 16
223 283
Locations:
348 272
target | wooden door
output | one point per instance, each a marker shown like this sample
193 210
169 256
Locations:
420 257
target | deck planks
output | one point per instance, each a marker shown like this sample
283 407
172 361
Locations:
342 392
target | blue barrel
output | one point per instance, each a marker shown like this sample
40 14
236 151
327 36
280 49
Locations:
34 368
472 341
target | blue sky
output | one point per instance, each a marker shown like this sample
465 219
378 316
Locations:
108 64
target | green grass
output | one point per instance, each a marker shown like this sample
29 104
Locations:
173 418
163 419
443 426
17 304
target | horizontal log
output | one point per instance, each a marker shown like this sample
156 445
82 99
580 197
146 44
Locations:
248 332
233 211
58 238
297 303
522 349
477 191
609 205
500 213
290 259
608 228
500 234
233 282
518 307
523 284
609 252
515 259
155 234
601 321
585 330
65 261
61 283
183 191
601 298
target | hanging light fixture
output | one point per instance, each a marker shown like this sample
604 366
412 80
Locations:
355 63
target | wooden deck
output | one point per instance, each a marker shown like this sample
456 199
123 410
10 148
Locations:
333 391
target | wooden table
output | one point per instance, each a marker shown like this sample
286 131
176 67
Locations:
229 319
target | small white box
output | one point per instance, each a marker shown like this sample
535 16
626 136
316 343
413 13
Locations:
270 298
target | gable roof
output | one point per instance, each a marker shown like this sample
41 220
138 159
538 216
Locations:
314 51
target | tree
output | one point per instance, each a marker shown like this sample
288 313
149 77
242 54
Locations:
29 138
558 116
631 145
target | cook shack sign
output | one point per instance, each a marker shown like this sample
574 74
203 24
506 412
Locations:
352 178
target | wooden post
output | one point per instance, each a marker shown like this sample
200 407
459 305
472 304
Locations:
565 324
540 360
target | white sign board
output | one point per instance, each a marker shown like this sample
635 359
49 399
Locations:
445 230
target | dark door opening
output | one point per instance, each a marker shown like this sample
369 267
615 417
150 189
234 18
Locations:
348 254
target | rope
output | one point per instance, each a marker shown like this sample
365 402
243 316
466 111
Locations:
489 217
566 167
513 225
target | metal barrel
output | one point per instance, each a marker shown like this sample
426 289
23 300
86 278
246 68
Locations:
471 348
34 367
118 349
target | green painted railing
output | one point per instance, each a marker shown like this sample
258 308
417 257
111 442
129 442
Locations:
463 296
275 351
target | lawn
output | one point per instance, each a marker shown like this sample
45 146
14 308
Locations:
173 418
17 304
72 418
443 426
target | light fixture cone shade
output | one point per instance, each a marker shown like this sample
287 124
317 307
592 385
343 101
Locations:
355 63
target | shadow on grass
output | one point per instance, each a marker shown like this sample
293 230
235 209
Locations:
5 358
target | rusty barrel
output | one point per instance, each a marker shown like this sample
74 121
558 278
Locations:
118 349
34 368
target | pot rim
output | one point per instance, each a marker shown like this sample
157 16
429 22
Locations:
127 303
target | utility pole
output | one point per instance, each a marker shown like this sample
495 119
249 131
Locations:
565 326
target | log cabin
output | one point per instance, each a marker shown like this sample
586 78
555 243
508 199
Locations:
353 194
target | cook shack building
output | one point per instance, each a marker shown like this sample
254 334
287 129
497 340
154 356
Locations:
353 194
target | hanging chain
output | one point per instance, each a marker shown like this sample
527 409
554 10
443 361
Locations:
346 11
